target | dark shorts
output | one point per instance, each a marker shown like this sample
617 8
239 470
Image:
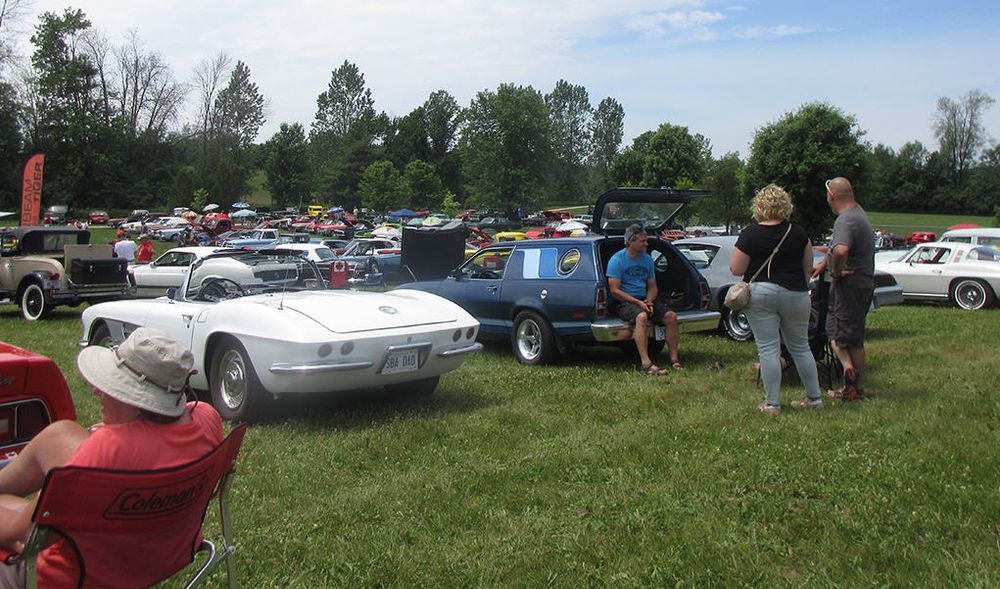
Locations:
629 311
850 298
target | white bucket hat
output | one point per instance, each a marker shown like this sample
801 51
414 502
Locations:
149 370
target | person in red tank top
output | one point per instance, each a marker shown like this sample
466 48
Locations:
146 425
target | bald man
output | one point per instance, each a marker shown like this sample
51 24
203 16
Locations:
851 261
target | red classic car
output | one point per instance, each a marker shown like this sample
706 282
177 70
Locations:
920 237
33 394
98 218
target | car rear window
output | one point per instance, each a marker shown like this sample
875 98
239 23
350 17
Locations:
569 261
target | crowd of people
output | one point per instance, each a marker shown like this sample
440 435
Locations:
775 257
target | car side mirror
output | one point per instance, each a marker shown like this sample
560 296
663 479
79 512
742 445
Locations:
456 273
172 294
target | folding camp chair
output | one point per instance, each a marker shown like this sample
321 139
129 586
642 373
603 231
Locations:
95 507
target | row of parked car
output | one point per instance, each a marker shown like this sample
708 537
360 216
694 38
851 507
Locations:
263 323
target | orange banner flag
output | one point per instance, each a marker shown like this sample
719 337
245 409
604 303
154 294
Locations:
31 190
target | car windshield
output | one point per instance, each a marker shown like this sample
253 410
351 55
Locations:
618 216
229 276
324 253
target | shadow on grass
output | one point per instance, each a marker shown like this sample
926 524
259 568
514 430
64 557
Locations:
372 408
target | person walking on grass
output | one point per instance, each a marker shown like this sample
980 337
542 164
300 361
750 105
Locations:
779 297
851 261
632 282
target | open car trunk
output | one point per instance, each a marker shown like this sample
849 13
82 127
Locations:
676 285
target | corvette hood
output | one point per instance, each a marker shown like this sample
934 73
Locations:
351 311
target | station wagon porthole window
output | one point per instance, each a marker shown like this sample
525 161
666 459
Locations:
569 261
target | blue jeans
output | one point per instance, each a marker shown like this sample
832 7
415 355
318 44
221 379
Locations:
778 315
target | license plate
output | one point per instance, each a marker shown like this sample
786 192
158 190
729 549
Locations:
403 361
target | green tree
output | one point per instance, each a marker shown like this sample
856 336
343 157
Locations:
286 165
506 146
800 152
407 139
958 126
670 156
450 205
442 119
570 113
66 124
426 191
607 128
381 187
729 202
344 103
239 108
10 148
345 134
674 157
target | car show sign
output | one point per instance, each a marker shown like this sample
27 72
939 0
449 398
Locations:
31 190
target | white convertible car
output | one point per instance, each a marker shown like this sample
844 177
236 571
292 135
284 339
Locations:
261 324
965 274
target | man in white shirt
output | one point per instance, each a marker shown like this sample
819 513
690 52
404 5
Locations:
125 248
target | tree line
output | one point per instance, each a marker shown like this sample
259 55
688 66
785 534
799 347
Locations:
109 119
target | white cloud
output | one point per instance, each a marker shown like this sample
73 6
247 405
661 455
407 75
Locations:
692 21
775 31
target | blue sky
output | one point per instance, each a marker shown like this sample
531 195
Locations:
721 68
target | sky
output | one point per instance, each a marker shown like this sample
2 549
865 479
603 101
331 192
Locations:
721 68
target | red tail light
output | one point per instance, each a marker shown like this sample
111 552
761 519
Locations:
706 294
601 305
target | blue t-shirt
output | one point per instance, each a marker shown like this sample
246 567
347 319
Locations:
632 272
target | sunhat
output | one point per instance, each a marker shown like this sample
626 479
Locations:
149 370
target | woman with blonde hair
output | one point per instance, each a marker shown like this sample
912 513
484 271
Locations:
779 297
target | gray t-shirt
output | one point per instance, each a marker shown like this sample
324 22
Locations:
853 230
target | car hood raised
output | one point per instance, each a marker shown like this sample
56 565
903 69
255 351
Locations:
352 311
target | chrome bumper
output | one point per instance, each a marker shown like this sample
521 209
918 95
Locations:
616 330
317 367
474 347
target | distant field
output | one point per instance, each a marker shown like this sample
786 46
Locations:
903 223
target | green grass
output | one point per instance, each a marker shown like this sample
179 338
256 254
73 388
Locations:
590 474
903 223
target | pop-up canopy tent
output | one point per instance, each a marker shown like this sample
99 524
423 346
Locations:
429 253
397 216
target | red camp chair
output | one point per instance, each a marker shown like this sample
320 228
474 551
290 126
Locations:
108 508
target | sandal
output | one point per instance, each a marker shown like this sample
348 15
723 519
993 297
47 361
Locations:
677 365
653 370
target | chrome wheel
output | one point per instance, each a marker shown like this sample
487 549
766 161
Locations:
736 325
232 380
529 340
971 294
533 340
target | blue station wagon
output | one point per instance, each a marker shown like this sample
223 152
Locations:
546 294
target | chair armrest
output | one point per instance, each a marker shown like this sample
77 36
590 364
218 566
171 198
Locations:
8 556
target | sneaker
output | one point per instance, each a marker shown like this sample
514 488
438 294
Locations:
807 403
848 393
769 409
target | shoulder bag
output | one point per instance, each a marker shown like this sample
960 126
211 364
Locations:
738 295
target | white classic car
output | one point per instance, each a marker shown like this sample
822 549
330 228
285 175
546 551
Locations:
965 274
261 324
168 270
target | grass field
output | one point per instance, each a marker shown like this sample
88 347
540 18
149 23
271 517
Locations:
903 223
591 474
